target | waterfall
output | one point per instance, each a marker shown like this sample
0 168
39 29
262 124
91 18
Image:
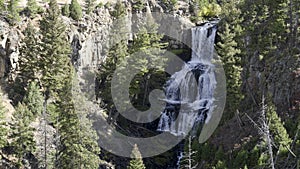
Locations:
189 92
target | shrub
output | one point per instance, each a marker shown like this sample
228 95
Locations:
66 10
75 10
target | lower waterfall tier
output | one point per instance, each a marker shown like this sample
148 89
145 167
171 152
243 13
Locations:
189 98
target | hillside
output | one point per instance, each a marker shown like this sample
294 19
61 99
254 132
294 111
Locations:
170 84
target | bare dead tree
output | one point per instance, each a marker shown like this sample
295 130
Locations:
187 159
266 131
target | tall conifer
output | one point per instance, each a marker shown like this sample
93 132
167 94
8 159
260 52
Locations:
137 160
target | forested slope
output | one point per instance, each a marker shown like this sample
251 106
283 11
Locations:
44 46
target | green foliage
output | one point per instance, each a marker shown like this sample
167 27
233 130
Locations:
34 99
21 136
79 148
263 161
54 58
13 10
206 152
75 10
188 158
32 7
205 10
89 6
117 52
119 10
239 160
219 154
220 165
229 54
107 5
100 5
146 43
171 4
138 5
3 124
29 50
66 10
2 6
137 161
279 133
254 156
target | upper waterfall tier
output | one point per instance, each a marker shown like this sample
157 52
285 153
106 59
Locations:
203 39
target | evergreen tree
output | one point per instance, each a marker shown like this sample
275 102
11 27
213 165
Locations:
119 11
279 133
220 165
32 7
137 160
89 6
138 5
206 9
3 124
229 52
75 10
117 52
34 99
147 43
29 64
55 49
13 10
78 142
54 61
66 10
21 136
2 5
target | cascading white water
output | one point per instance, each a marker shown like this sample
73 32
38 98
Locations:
189 92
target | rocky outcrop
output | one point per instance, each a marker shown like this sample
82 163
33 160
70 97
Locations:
89 37
9 49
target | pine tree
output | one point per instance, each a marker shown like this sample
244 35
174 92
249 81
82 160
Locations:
279 133
66 10
54 61
21 136
32 7
206 9
3 124
89 6
13 12
2 6
117 52
146 43
34 99
55 50
78 146
229 51
220 165
137 160
138 5
229 54
119 11
29 64
75 10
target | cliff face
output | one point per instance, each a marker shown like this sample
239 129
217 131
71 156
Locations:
9 49
89 37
